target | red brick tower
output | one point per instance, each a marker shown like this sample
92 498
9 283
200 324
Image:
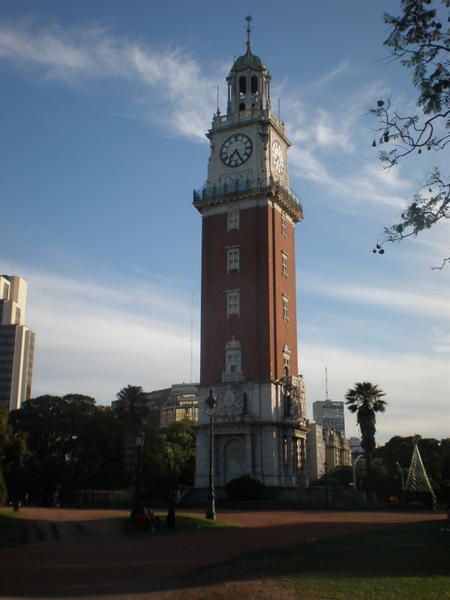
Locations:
249 324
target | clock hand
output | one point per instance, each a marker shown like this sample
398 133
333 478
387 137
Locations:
236 152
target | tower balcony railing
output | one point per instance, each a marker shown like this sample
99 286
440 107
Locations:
240 186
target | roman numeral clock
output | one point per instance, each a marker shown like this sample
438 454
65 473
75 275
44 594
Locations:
236 150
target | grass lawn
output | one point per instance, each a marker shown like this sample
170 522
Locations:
404 561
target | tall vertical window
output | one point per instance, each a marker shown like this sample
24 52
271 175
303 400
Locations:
233 259
242 85
285 307
233 303
233 218
284 264
233 367
283 223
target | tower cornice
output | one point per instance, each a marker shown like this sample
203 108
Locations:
269 189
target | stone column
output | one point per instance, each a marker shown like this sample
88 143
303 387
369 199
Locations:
248 453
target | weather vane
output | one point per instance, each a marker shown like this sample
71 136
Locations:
249 19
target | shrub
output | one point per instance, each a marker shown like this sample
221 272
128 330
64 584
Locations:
246 488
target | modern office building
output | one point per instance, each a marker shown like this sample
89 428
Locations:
181 404
329 413
169 405
249 324
16 343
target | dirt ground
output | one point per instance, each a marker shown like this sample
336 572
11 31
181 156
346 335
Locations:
83 553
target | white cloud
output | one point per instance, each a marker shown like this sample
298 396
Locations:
332 74
431 303
182 93
96 338
417 387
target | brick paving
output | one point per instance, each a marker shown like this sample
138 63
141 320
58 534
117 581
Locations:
84 553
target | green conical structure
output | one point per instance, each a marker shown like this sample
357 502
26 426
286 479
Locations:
417 476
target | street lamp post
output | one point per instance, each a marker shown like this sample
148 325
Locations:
355 489
211 403
140 439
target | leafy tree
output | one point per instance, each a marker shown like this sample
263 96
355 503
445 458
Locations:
72 444
420 39
338 476
13 451
179 439
365 399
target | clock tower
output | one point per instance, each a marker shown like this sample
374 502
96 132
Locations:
248 318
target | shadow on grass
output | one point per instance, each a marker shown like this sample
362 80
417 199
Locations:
420 549
105 562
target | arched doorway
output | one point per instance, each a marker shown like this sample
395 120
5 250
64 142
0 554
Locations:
234 457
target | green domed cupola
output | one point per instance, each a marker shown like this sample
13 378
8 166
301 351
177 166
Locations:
248 82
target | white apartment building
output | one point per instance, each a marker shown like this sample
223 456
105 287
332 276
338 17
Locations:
16 343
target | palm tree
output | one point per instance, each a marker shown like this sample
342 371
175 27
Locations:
131 404
365 399
133 411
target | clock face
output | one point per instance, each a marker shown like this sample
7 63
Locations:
278 157
236 150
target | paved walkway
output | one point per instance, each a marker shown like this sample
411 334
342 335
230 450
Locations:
83 553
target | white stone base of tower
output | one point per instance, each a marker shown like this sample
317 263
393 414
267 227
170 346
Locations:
252 436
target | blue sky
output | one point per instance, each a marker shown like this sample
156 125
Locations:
103 111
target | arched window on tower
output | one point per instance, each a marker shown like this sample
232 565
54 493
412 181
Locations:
254 84
233 361
242 86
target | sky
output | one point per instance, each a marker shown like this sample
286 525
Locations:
103 112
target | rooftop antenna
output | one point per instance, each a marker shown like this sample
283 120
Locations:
326 383
192 334
249 19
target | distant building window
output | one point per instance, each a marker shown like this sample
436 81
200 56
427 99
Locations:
283 223
284 264
233 303
254 84
285 307
233 259
233 218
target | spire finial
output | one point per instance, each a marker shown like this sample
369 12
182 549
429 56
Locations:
249 19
